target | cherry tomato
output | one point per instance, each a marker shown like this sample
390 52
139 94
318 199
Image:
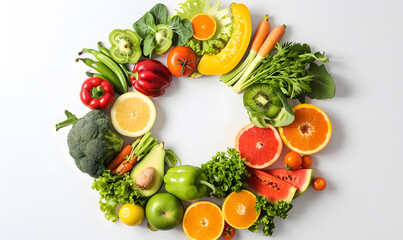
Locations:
229 232
306 161
292 160
181 61
319 183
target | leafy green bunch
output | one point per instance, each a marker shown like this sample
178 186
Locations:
292 69
114 189
267 213
227 172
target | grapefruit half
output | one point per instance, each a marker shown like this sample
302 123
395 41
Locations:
261 147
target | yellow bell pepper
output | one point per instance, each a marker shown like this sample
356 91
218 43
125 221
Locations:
236 47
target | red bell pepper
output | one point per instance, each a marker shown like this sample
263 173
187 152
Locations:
97 93
151 78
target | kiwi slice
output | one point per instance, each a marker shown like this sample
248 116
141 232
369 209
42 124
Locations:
125 46
163 38
261 98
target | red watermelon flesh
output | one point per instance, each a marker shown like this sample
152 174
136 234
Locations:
274 189
301 178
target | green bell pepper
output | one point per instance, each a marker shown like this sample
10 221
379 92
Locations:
187 182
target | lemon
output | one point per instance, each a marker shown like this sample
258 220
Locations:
133 114
131 214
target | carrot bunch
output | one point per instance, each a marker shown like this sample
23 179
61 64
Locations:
262 44
131 154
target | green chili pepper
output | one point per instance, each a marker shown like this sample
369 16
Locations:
187 182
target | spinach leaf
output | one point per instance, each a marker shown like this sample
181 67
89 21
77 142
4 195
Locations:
322 85
149 45
182 28
160 13
145 25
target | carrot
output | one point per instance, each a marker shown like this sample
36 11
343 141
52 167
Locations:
260 35
126 165
120 157
268 45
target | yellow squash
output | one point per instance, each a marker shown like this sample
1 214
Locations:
236 47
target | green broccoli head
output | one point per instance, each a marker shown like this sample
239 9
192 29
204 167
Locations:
91 141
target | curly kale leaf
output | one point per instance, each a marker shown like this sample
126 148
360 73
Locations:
227 172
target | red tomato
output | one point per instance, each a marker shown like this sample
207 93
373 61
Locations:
292 160
181 61
319 183
229 232
306 161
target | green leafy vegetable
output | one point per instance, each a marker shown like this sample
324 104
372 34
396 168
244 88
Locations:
152 28
190 8
322 85
267 214
114 189
287 70
182 28
160 13
227 172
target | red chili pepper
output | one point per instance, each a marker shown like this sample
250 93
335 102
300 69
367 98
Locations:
97 93
151 78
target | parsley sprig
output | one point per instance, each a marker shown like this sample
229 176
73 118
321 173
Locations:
267 213
227 172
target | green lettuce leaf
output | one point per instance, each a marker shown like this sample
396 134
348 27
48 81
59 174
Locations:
114 189
190 8
227 172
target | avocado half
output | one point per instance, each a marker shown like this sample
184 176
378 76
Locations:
155 159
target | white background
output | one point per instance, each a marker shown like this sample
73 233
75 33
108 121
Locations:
44 196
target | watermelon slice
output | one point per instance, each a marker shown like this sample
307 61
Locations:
272 188
301 178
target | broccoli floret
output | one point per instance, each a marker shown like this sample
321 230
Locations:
91 141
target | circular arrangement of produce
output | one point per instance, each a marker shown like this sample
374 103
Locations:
142 180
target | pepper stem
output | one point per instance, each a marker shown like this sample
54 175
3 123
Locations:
136 74
97 92
208 185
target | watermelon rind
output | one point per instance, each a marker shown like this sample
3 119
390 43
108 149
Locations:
274 189
301 178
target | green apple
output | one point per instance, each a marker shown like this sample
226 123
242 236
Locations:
164 211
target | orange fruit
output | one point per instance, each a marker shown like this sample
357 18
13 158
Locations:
133 114
260 147
310 132
203 220
204 26
239 209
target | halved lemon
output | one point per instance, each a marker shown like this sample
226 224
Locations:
133 114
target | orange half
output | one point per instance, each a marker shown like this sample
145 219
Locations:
239 209
204 26
203 221
310 132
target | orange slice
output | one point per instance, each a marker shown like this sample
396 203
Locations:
133 114
204 26
239 209
310 132
203 221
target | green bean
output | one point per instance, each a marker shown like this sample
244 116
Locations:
123 66
111 64
105 71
